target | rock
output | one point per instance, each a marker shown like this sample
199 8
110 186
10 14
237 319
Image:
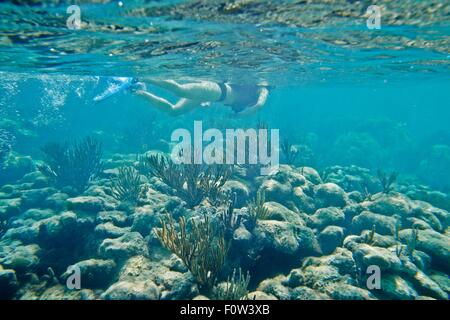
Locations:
277 235
276 191
435 244
395 287
330 238
60 292
442 280
319 276
366 255
173 285
238 190
20 258
58 229
37 214
356 196
259 295
176 285
421 260
284 238
35 198
128 245
7 188
95 273
311 175
305 293
344 291
281 213
303 202
124 290
425 285
327 216
366 220
144 219
329 195
242 237
175 264
341 259
389 205
10 207
365 237
431 215
37 180
51 231
108 230
275 288
295 278
8 284
87 204
117 218
435 198
26 234
56 201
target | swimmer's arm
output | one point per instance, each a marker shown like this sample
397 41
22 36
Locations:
182 106
263 94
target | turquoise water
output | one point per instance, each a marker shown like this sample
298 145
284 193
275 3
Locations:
355 104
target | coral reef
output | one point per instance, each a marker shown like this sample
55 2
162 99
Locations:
302 236
192 182
127 187
73 164
257 210
202 249
387 181
235 288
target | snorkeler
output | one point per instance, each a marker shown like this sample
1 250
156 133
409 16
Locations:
243 99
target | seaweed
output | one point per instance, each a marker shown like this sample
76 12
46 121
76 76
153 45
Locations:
73 164
289 151
201 246
127 187
235 288
370 237
230 220
411 242
398 245
387 181
257 210
191 182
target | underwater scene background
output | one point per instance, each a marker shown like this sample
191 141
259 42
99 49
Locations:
92 206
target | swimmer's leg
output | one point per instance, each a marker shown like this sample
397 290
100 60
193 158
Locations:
199 91
182 106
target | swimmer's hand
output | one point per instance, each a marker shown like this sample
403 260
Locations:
263 94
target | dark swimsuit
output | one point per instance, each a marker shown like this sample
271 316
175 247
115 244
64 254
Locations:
246 96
